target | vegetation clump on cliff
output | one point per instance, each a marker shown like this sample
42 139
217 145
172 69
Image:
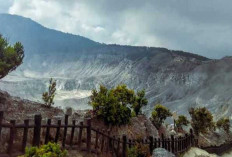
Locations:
159 114
202 120
224 123
117 105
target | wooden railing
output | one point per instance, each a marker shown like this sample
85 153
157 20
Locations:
87 138
219 150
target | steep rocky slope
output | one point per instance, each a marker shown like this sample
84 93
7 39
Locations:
176 79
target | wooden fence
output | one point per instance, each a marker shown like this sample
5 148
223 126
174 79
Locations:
219 150
81 136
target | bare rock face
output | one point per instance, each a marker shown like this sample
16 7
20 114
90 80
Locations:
177 79
139 127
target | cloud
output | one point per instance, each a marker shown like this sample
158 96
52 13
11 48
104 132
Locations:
202 27
4 5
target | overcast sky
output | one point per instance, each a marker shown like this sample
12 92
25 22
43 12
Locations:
199 26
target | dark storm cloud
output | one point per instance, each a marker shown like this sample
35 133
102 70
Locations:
199 26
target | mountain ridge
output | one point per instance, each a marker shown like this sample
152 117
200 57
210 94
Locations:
28 22
176 79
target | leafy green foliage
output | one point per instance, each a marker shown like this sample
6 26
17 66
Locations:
48 97
48 150
114 105
182 121
140 101
139 150
224 123
159 114
202 120
10 56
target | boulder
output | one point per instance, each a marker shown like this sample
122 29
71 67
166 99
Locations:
161 152
196 152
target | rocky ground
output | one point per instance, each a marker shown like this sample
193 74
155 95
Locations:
20 109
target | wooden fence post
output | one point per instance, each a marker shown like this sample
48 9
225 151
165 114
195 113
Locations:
88 135
58 131
80 134
146 140
1 119
172 144
65 130
102 142
11 140
151 144
182 143
179 144
129 143
186 141
37 129
48 131
162 136
72 132
159 144
191 137
176 145
168 144
155 143
25 132
124 145
109 141
96 140
118 147
113 141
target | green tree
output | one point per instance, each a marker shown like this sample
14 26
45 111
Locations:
111 105
124 95
48 97
114 105
10 56
140 101
202 120
224 123
159 114
181 121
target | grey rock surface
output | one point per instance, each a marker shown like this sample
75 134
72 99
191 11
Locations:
161 152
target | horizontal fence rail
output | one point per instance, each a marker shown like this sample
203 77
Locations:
219 150
80 136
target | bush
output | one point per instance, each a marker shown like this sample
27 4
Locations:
159 114
139 150
114 105
224 123
181 121
48 150
202 120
